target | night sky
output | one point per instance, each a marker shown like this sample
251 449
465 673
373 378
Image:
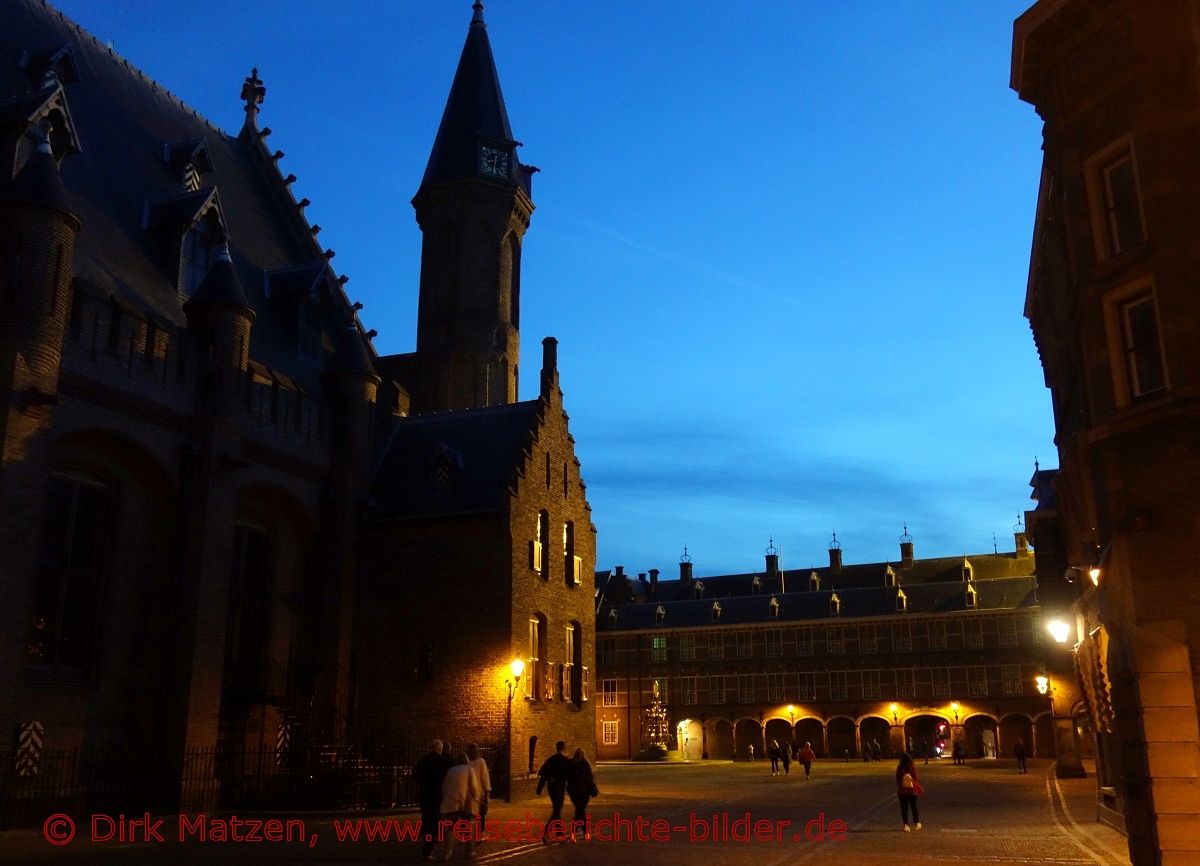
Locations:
784 247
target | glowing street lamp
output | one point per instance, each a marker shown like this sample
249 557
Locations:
1043 683
895 708
516 668
1059 630
792 714
954 709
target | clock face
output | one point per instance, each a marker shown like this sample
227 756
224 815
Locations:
493 161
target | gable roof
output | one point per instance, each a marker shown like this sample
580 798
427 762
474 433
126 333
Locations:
453 463
131 134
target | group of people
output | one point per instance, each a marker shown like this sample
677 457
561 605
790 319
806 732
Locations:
872 752
784 755
455 789
451 790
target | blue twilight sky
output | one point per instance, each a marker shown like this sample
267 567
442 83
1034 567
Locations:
783 246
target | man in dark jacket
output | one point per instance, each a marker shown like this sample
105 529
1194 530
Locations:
553 775
429 772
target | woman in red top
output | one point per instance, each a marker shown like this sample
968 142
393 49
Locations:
907 789
807 756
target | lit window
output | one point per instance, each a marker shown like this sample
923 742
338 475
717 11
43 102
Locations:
658 648
572 564
608 693
610 733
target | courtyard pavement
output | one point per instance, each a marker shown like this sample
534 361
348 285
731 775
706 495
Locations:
699 814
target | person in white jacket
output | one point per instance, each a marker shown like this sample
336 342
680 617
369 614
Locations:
461 794
479 765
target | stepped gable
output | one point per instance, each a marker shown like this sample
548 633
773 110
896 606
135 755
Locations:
126 124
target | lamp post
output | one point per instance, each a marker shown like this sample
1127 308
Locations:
897 733
791 711
1066 749
517 668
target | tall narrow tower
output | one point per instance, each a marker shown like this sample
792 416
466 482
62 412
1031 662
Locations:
473 208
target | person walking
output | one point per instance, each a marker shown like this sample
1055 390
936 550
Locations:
959 753
429 772
925 750
807 756
786 756
750 749
581 787
554 774
773 754
460 804
479 765
876 751
1021 753
908 788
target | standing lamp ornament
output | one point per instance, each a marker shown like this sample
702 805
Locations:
1066 747
516 668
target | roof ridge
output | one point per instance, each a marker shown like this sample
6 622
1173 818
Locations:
121 60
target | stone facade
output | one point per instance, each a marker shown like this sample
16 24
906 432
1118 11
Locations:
921 651
215 539
1111 298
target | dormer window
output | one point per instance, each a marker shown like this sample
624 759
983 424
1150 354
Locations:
835 605
889 576
773 608
197 253
756 584
612 618
189 160
901 601
814 581
660 615
716 611
972 597
191 177
968 570
699 588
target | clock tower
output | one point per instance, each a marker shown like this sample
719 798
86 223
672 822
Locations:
473 208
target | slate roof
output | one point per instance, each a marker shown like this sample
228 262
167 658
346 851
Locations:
453 463
474 111
930 586
131 133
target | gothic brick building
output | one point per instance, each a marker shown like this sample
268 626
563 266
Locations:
1112 301
903 654
225 521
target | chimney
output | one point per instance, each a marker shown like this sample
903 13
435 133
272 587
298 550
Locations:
1020 539
685 568
620 571
835 556
549 366
906 549
772 557
653 582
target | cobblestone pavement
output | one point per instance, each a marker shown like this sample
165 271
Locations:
983 813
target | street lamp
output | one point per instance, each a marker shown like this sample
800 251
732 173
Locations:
1043 687
792 714
517 667
954 709
1059 630
895 713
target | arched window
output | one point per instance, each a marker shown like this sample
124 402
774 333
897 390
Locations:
537 680
71 570
572 564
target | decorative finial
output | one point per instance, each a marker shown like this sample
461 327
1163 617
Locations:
253 91
1036 467
685 557
1019 526
477 18
771 551
906 538
835 544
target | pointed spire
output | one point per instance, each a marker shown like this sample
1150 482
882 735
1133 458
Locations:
220 286
474 138
38 182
